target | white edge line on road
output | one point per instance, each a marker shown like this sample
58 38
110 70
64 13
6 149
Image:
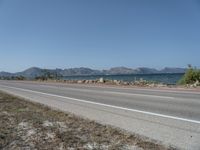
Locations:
146 95
107 105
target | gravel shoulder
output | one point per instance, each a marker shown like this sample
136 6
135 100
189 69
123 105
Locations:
28 125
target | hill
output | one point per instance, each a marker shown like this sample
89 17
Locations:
36 72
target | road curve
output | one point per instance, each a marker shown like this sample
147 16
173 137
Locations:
163 115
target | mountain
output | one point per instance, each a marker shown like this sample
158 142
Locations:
173 70
119 71
36 72
141 70
31 72
79 71
144 70
5 74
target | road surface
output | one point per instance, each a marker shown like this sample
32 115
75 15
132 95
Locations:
169 116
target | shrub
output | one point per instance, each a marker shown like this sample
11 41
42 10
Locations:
48 75
191 76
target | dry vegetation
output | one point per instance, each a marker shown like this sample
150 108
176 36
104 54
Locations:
27 125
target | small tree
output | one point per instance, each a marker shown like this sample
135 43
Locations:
191 76
46 74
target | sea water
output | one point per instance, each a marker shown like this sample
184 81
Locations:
161 78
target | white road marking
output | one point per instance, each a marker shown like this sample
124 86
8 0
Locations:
107 105
110 92
142 95
188 91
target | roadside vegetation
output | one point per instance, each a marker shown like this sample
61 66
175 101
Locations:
47 75
27 125
13 78
192 76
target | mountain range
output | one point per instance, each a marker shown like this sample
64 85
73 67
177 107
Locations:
35 72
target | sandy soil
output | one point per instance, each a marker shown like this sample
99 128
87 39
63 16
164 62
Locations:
25 125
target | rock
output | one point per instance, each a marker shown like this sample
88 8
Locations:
136 83
101 80
79 81
117 82
95 81
196 83
125 83
86 81
91 81
192 86
151 85
161 85
141 82
108 81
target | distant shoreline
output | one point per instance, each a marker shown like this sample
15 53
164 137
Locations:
35 71
122 74
165 78
162 78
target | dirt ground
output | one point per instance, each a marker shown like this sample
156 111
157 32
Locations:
25 125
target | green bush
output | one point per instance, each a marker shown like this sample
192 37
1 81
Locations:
191 76
48 75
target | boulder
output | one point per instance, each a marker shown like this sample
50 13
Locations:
86 81
80 81
101 80
161 85
125 83
151 85
196 83
117 82
91 81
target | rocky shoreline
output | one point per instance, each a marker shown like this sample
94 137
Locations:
102 81
137 83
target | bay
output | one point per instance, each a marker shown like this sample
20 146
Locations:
161 78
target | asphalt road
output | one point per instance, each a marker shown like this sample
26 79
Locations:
169 116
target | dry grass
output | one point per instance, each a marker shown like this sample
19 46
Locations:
27 125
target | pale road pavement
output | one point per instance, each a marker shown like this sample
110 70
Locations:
170 116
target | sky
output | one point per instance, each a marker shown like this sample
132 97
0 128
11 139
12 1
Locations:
99 34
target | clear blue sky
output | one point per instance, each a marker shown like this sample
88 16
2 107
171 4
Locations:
99 33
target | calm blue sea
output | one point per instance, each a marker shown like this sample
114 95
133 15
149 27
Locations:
163 78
